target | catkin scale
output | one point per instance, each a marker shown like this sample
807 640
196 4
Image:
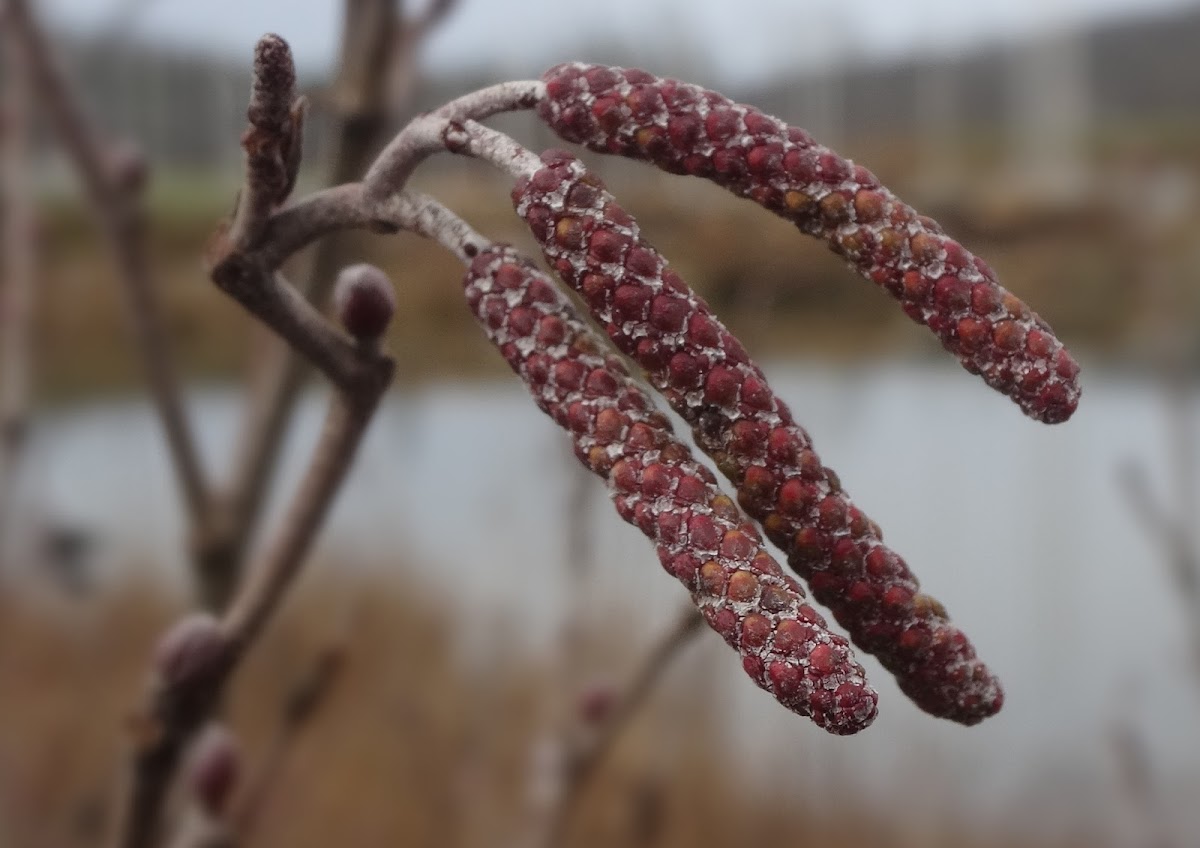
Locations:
708 378
685 129
701 537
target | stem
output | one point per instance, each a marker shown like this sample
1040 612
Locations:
345 423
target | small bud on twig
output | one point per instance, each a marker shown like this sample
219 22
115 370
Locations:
213 768
364 301
596 702
192 649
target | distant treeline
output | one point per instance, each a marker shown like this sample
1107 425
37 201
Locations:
186 109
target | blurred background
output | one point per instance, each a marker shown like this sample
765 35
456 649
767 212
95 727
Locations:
1058 139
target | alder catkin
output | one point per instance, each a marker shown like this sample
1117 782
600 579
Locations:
685 129
701 537
708 378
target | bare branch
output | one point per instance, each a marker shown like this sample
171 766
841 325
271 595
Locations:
113 190
19 263
187 691
319 214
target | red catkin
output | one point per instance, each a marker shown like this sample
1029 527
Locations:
707 377
701 537
685 129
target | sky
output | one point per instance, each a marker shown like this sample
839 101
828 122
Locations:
495 35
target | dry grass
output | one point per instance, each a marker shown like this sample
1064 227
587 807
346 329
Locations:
418 746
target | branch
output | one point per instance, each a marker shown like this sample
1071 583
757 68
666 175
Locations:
1173 535
365 106
198 656
19 264
424 136
1165 530
276 303
112 182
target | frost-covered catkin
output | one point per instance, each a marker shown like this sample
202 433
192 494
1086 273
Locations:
685 129
702 538
707 377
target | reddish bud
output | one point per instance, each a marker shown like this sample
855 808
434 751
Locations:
193 649
364 301
212 769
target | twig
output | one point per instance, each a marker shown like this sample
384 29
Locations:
425 136
1173 534
19 263
375 37
244 263
179 705
1137 778
584 763
198 656
343 207
299 708
112 184
347 419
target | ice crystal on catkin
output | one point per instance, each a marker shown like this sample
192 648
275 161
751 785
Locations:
685 129
701 536
708 378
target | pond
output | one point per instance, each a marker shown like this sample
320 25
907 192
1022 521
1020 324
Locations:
1020 529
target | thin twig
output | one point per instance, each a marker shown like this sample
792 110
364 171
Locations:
302 704
1173 534
114 194
585 762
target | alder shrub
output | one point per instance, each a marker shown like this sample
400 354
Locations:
640 307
